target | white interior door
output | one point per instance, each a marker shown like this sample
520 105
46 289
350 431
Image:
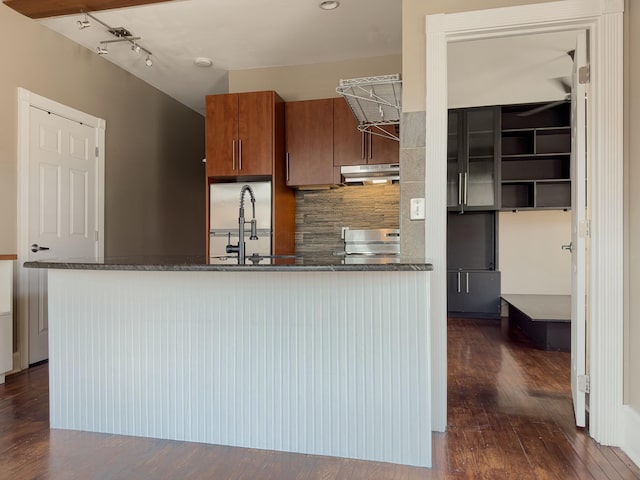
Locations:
62 212
579 232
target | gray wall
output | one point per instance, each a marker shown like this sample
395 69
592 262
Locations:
154 185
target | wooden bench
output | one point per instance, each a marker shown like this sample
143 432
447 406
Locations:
545 319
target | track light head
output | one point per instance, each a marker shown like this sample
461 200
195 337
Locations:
135 48
82 24
148 62
100 50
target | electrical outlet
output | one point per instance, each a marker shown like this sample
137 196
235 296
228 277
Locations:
417 209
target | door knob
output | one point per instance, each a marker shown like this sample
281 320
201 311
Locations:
36 248
568 247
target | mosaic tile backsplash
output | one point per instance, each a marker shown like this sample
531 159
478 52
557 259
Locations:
321 214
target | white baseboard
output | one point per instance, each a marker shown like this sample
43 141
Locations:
16 367
16 363
631 433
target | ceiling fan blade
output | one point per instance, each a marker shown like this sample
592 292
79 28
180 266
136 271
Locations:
541 108
563 83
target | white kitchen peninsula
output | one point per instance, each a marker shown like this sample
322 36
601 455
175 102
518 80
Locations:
305 355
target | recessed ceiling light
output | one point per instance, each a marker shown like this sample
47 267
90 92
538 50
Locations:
329 5
203 62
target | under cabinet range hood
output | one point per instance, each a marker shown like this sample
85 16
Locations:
375 102
370 174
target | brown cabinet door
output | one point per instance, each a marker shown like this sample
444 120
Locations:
349 145
383 149
309 142
221 135
255 133
353 147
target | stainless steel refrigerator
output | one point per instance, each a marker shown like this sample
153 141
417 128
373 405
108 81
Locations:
224 213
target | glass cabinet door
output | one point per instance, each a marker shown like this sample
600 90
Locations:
478 189
454 192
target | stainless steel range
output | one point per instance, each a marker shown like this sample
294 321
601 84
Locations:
379 245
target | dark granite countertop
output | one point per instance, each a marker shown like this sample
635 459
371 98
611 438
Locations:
327 263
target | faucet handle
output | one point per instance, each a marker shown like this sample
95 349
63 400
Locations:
231 248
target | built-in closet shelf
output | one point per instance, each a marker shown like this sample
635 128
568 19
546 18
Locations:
535 166
536 195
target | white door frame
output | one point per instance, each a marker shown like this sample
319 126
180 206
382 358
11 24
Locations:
26 100
603 19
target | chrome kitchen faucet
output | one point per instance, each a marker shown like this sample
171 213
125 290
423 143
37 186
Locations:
240 247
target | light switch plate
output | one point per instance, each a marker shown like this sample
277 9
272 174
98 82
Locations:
417 209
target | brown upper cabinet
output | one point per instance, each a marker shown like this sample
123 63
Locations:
309 143
240 134
353 147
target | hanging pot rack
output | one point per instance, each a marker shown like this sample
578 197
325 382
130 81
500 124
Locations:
375 102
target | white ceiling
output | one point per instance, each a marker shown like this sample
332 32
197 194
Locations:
247 34
236 35
519 69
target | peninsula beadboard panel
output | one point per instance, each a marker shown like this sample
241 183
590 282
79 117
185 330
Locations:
321 214
306 364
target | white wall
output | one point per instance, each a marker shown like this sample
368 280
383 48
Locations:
530 257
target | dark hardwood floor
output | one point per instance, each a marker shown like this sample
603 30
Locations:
510 416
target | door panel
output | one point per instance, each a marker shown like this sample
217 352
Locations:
482 292
62 207
479 184
349 145
454 192
383 149
578 237
222 135
471 241
454 300
309 134
255 133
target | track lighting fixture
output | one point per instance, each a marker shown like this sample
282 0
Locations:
82 24
122 35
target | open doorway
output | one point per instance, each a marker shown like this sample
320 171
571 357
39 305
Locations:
603 21
510 227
